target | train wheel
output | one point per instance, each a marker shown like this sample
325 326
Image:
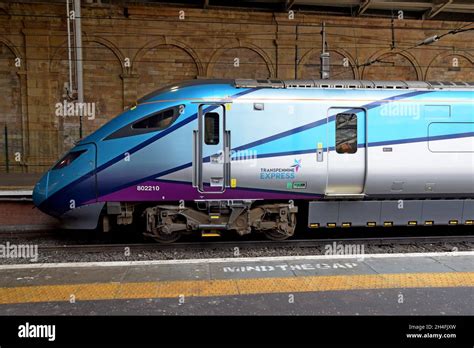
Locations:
165 238
275 235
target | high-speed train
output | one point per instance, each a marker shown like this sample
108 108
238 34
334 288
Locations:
208 156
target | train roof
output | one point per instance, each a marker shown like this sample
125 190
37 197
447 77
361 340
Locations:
348 84
186 83
320 84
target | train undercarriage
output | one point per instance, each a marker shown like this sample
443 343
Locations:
277 220
167 223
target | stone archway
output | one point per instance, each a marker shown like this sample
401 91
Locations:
392 65
159 64
102 72
240 60
451 66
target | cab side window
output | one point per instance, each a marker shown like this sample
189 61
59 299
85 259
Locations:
157 121
153 122
346 133
68 159
211 128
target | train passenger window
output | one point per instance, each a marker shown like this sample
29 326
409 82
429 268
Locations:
346 133
68 159
211 128
150 123
158 121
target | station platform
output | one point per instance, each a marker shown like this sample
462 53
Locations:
378 284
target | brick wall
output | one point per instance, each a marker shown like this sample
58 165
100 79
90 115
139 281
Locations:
12 217
163 49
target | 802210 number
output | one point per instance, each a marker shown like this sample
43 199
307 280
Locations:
148 188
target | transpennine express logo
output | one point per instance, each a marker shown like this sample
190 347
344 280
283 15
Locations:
297 165
281 173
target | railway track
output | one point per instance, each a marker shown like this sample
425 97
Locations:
296 243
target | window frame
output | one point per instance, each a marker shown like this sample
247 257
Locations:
336 145
213 115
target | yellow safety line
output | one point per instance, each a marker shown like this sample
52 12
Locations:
201 288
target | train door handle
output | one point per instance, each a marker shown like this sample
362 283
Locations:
320 155
216 159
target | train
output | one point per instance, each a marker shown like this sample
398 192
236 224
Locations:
243 155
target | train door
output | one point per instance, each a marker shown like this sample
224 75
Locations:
211 162
346 149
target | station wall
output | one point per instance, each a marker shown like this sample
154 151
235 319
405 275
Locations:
130 52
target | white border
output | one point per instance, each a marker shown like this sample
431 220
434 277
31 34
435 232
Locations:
16 192
230 260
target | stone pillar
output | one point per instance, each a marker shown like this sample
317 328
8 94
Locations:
130 87
286 43
41 133
22 74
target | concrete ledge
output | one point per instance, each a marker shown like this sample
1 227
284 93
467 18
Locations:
17 229
16 193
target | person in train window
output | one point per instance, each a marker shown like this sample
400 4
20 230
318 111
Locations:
346 133
346 148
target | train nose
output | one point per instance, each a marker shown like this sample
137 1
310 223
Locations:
40 191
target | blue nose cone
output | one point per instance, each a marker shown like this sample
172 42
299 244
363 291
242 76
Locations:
40 191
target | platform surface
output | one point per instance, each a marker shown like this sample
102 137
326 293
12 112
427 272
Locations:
397 284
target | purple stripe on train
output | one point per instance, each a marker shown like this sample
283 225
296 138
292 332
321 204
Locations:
173 191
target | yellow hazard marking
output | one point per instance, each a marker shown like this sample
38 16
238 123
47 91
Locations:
228 106
221 287
233 183
209 234
320 145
